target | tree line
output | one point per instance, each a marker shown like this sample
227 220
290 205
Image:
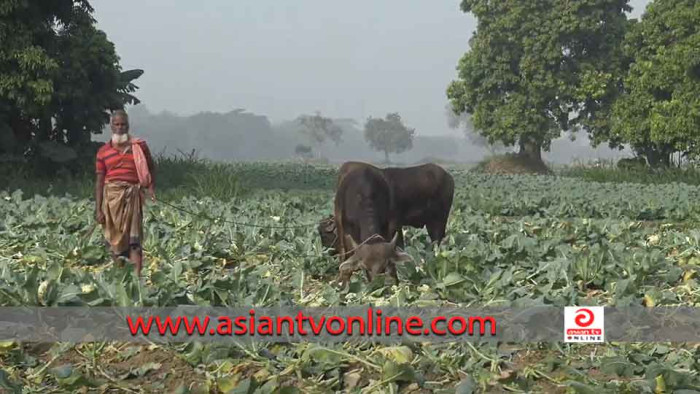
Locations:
536 69
388 134
242 136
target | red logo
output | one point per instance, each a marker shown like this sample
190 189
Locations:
581 315
584 324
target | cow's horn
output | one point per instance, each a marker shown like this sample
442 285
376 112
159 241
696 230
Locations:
351 240
393 240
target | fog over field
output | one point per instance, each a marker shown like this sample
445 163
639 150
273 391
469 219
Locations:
226 78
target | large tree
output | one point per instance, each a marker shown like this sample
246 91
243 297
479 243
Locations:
659 112
463 121
59 78
389 135
537 68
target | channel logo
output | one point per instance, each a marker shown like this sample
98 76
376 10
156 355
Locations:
584 324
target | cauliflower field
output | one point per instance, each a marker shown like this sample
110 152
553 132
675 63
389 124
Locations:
510 239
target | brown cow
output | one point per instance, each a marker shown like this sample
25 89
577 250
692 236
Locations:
365 213
327 228
423 197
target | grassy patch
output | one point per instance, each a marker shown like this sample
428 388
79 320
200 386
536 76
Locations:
181 176
607 172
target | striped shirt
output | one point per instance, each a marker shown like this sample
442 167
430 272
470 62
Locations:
118 166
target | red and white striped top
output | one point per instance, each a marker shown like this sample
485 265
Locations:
118 166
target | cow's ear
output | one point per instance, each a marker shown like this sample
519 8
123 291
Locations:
401 257
350 265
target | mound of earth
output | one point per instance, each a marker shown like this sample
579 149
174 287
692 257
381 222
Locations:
436 160
512 164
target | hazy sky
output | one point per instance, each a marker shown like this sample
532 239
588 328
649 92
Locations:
351 59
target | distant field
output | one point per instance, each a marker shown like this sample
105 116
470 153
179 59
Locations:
511 239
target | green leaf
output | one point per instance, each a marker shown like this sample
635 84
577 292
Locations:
393 372
397 354
6 383
227 383
70 378
5 346
466 386
69 294
453 279
322 355
130 75
660 384
247 386
177 271
122 297
351 379
618 366
269 387
581 388
62 371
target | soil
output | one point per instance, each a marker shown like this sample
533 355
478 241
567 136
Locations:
531 358
171 373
